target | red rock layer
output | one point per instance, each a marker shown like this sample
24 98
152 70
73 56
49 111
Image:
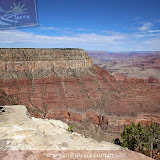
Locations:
90 98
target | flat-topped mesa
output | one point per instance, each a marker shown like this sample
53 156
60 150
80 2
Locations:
57 61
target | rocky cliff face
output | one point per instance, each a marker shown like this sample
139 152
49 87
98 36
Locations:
64 84
36 63
25 137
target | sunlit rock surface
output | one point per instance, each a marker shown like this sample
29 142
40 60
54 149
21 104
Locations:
20 131
25 137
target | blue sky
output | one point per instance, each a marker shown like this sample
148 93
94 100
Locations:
111 25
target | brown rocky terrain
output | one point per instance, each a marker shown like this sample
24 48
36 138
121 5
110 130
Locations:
64 84
131 64
24 137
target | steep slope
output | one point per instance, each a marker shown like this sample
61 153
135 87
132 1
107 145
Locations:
64 84
23 137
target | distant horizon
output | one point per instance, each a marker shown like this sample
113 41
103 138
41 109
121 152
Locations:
83 49
92 25
120 51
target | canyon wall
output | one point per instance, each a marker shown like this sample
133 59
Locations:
64 84
23 63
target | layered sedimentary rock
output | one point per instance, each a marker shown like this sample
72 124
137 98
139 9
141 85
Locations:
64 84
36 63
130 64
26 137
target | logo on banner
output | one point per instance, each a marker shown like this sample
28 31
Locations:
18 13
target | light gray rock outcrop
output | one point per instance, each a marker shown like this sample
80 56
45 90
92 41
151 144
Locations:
27 138
19 131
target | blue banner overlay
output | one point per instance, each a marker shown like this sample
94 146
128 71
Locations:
18 14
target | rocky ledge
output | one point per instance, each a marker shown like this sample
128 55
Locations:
19 131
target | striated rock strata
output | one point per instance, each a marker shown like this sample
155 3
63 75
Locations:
37 63
129 64
64 84
25 137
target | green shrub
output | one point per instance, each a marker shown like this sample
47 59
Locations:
140 138
70 129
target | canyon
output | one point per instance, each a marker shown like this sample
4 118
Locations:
25 137
137 64
64 84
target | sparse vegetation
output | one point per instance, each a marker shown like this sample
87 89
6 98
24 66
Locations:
70 129
6 99
145 139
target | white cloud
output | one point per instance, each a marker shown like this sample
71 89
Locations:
146 26
153 43
65 30
90 41
82 29
18 37
146 35
139 35
49 28
153 31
